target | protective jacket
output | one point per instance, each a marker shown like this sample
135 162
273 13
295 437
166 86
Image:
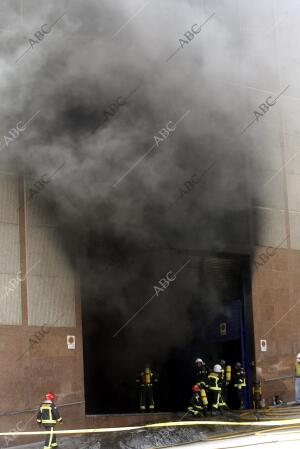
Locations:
48 413
238 379
214 387
202 376
145 380
197 406
239 384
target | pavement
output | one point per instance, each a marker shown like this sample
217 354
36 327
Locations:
220 436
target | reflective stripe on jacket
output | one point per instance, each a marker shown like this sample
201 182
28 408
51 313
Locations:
213 382
48 413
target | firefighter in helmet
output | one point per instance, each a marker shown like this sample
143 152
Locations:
145 381
214 390
198 402
238 384
48 415
225 379
201 373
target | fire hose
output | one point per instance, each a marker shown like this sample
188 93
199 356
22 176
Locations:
272 423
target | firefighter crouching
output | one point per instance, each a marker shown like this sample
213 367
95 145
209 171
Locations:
239 384
145 381
214 390
48 415
198 402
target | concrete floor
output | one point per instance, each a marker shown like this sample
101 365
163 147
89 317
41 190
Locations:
192 437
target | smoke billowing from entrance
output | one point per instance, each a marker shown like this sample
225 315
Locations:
154 169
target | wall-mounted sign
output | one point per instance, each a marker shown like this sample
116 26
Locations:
223 329
263 345
71 341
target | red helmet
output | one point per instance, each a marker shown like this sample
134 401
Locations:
49 396
195 388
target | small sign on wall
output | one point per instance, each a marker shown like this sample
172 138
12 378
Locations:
223 329
263 345
71 341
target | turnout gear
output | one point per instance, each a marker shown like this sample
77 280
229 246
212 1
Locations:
201 373
145 380
228 374
239 384
198 402
297 369
48 415
214 391
297 379
257 395
225 378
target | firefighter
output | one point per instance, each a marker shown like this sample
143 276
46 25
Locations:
297 379
257 395
48 415
202 373
214 390
198 402
145 381
225 379
238 384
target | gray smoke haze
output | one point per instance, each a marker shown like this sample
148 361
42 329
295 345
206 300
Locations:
71 77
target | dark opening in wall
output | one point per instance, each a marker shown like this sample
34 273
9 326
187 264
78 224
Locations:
112 364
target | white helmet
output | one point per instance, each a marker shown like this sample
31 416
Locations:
199 361
218 369
298 357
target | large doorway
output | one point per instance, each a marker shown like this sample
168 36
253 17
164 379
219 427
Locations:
205 313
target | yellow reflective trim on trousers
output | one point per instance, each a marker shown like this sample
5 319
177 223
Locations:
48 421
51 437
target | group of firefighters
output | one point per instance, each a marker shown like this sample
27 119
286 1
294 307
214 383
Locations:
210 393
214 389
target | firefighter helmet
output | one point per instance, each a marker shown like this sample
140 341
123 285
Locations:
199 361
195 388
49 396
298 356
218 369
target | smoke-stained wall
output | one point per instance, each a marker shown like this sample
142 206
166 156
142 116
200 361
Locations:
146 107
168 169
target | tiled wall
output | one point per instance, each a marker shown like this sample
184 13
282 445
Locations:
51 288
10 297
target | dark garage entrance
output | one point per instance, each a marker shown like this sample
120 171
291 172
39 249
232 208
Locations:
220 328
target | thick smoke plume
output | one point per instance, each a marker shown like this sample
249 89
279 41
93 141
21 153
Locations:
124 233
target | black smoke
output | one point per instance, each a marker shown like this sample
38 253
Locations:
124 233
